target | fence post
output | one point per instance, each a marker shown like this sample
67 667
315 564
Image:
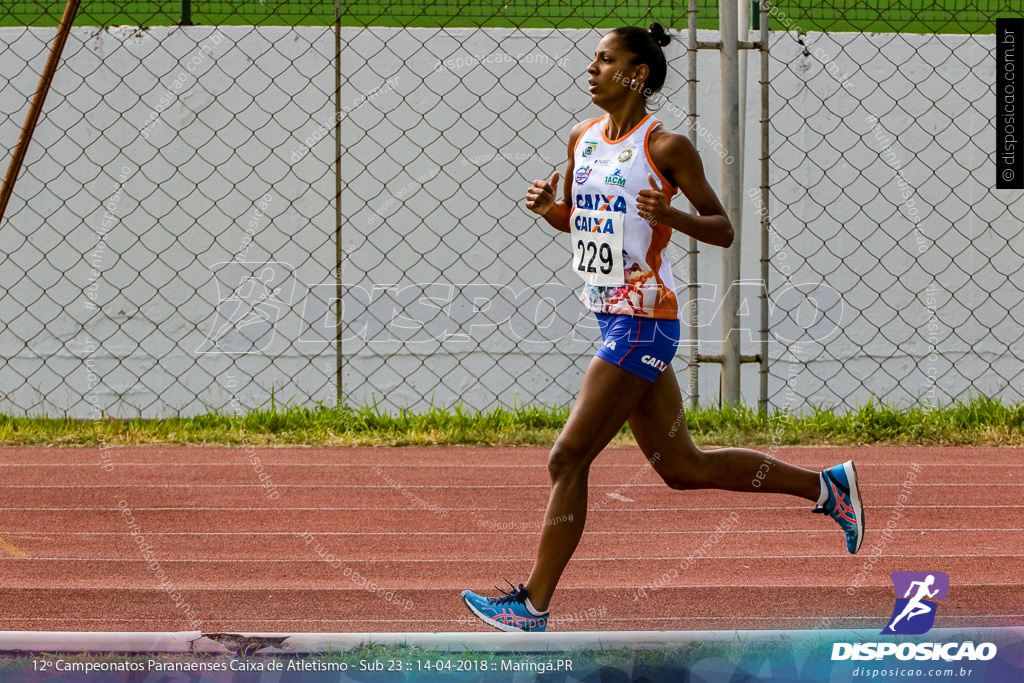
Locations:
692 248
761 23
732 197
338 247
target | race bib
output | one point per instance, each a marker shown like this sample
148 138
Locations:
597 246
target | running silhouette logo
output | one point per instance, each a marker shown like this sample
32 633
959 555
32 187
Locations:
917 600
252 298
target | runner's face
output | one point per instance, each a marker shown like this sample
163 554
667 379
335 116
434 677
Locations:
611 72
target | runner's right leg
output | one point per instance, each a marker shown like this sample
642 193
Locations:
659 425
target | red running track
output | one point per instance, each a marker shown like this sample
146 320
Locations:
380 539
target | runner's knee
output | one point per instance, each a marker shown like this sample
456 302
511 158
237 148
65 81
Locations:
690 473
565 460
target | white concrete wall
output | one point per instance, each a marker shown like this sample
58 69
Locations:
435 167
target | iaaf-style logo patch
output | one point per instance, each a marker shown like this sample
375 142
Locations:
616 178
917 596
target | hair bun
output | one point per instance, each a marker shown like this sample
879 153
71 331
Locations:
661 37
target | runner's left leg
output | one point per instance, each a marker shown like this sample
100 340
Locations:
607 397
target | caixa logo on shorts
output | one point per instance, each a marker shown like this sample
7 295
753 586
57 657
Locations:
655 363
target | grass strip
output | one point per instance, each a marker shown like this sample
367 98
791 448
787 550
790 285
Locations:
866 16
978 421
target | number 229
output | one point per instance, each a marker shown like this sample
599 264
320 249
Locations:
605 253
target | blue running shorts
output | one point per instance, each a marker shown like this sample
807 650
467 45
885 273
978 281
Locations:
643 346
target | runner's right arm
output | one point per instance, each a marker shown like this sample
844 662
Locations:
540 197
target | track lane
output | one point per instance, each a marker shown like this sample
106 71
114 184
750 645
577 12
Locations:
241 558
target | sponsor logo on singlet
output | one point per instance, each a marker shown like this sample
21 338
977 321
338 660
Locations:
616 178
594 224
626 154
601 202
582 174
589 148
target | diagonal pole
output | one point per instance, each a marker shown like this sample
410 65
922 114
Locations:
37 105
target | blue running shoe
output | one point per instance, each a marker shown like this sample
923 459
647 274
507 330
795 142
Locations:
507 613
844 503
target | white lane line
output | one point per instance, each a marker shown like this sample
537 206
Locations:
631 532
446 487
762 508
449 558
247 622
540 463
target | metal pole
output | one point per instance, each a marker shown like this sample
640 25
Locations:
692 250
731 200
338 251
186 13
762 401
45 81
742 34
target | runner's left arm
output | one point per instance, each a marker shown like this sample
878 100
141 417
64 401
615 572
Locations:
677 159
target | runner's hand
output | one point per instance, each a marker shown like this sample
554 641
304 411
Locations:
651 202
541 195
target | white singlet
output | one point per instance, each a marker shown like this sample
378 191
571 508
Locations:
619 255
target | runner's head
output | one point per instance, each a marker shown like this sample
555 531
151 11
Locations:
628 62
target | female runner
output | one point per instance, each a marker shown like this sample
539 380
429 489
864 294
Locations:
622 172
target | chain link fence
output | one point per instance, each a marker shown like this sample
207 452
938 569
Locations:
312 202
883 187
159 170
